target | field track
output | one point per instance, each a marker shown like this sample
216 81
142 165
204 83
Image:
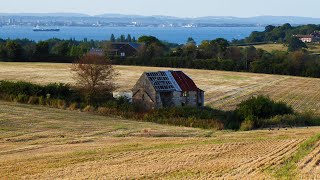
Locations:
223 90
44 143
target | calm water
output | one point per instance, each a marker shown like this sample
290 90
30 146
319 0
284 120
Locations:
176 35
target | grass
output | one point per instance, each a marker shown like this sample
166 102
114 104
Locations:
44 143
289 167
272 47
313 48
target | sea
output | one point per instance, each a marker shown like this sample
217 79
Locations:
170 34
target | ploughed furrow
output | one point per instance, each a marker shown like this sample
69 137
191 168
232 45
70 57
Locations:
213 161
267 153
143 163
309 167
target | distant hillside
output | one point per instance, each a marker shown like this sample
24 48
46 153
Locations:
45 14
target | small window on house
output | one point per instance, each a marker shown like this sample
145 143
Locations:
185 94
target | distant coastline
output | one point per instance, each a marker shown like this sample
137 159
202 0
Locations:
120 20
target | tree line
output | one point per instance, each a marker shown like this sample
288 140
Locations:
217 54
280 34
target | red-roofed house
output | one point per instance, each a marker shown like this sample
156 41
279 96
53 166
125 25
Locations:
166 89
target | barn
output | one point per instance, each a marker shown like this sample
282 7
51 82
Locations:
160 89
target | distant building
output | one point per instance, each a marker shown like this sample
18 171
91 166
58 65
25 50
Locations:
160 89
306 38
97 51
122 49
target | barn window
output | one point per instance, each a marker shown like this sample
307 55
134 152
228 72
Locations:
185 93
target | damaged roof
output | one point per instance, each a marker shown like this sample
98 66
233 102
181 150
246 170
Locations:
167 81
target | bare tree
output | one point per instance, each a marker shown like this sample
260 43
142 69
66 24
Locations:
94 75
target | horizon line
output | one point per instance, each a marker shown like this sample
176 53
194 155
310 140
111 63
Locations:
181 17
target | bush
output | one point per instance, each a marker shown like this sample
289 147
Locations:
259 108
247 124
73 106
21 98
89 109
55 90
33 100
292 120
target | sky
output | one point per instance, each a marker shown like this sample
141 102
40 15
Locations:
178 8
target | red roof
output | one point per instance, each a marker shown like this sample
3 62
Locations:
184 81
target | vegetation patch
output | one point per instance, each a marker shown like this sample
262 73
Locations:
288 169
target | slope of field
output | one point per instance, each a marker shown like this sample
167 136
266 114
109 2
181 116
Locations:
43 143
272 47
223 90
313 48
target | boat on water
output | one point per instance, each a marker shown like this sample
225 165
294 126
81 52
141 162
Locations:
37 28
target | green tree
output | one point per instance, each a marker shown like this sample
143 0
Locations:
14 50
122 38
190 40
295 44
129 39
61 48
42 48
3 52
112 38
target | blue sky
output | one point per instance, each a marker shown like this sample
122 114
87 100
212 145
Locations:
180 8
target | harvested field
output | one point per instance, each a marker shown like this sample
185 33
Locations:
223 90
44 143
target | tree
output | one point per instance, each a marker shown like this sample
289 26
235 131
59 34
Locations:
61 48
122 38
295 44
112 38
269 28
129 39
42 48
14 50
3 52
190 40
95 77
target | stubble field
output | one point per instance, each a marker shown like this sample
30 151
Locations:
43 143
223 90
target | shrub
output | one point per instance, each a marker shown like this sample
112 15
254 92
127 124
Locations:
89 109
22 98
56 91
292 120
33 100
106 111
42 101
247 124
73 106
259 108
61 104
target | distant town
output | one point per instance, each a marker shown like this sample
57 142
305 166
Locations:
118 20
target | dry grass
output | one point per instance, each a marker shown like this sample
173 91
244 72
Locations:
272 47
223 90
313 48
43 143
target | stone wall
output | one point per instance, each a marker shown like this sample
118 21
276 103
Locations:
144 95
